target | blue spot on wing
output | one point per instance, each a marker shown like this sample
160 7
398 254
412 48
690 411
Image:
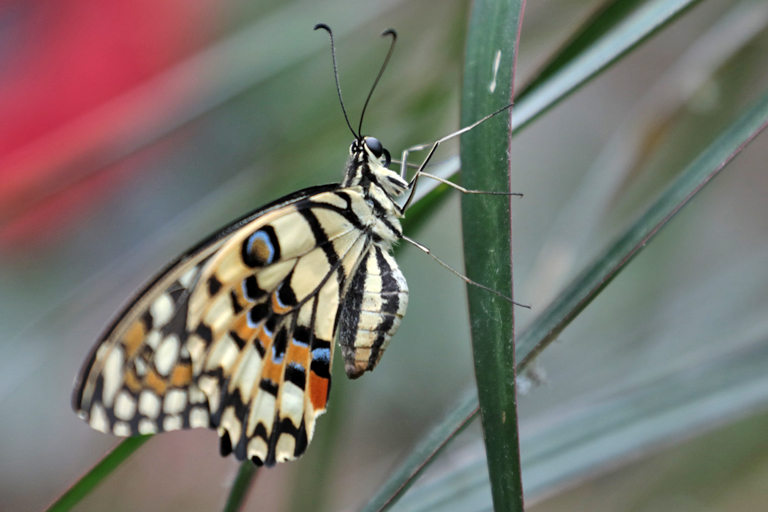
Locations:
264 237
322 354
296 366
277 357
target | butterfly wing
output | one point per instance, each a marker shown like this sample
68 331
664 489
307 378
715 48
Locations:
236 335
265 324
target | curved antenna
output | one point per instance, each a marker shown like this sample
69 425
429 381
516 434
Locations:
336 75
388 32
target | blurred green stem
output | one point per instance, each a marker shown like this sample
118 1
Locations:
240 487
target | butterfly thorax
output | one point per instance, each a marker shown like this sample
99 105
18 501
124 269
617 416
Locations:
367 169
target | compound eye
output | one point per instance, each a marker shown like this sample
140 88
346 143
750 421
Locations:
375 146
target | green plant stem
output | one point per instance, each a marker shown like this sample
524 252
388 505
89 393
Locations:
89 481
240 487
486 224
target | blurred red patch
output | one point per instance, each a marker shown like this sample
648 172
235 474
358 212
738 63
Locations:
60 64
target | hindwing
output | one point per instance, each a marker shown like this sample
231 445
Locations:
265 323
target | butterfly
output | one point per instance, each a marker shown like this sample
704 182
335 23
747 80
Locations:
237 334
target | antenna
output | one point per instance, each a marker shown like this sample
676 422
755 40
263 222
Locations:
388 32
336 75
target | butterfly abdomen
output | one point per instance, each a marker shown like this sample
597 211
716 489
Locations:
370 315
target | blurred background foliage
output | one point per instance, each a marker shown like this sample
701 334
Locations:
128 132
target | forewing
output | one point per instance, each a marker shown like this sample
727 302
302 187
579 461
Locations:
139 377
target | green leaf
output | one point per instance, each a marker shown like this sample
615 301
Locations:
97 474
488 77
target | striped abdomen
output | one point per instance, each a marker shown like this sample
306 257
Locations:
371 312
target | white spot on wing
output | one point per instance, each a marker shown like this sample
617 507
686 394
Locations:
172 423
162 310
141 367
186 279
125 406
292 402
121 429
196 347
149 404
196 395
167 354
258 447
113 376
153 339
286 446
198 418
247 372
231 424
175 401
99 419
147 426
210 386
262 410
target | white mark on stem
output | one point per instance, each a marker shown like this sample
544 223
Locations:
496 62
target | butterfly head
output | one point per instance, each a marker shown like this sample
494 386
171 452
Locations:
369 166
371 150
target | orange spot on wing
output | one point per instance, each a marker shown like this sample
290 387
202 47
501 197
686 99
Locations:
241 328
181 376
155 383
133 338
271 370
298 354
131 381
264 338
318 391
277 308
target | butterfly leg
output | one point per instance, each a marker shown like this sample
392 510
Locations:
419 171
467 191
419 147
460 275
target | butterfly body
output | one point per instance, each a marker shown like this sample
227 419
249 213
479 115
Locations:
238 333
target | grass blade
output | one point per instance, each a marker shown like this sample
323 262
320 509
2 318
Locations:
585 287
488 78
240 487
557 316
621 39
423 454
97 474
604 18
569 444
584 66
